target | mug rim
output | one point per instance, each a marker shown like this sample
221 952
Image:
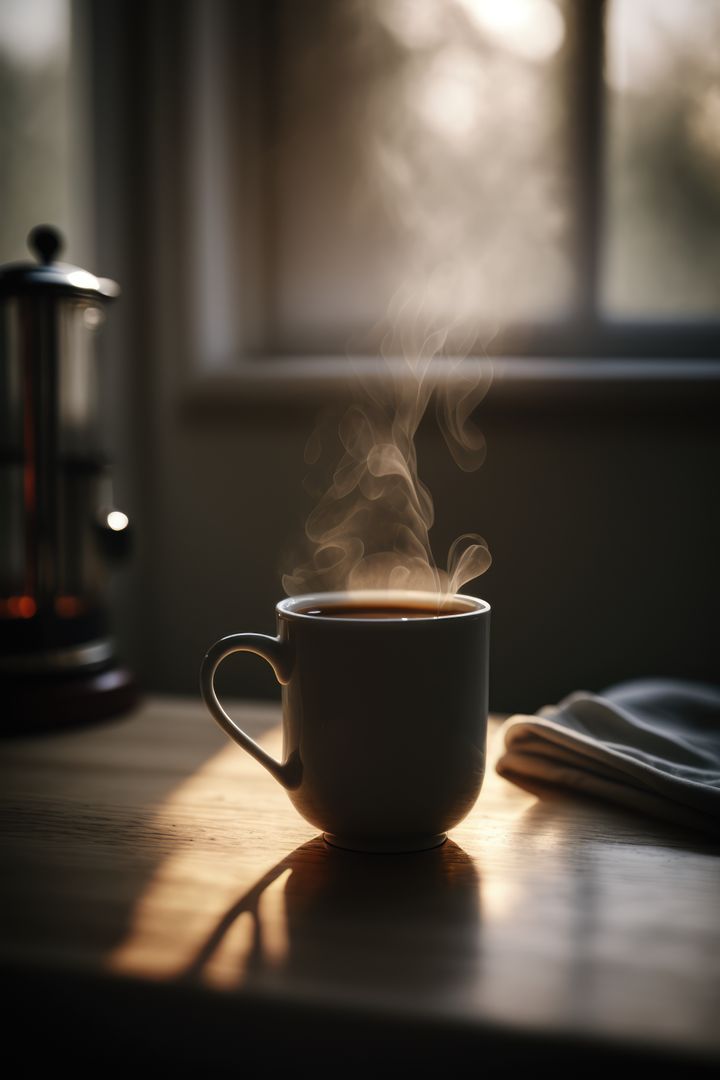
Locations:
288 608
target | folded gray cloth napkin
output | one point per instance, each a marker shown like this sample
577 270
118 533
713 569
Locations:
651 745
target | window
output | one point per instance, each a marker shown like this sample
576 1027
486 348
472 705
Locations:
663 155
536 176
40 138
398 128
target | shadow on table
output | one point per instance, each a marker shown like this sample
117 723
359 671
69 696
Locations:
405 923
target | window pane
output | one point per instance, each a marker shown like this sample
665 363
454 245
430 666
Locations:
420 145
34 119
663 156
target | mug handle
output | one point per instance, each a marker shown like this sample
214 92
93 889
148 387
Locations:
276 652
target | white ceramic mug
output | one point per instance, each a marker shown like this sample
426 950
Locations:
384 712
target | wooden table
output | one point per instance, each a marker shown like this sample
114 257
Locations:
161 897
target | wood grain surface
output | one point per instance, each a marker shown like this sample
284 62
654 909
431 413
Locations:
153 853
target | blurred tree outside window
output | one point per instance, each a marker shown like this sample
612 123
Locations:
425 147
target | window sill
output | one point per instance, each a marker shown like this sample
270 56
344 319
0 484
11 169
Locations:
518 384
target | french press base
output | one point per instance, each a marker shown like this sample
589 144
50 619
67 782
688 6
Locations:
43 704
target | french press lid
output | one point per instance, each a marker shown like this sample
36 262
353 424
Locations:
49 276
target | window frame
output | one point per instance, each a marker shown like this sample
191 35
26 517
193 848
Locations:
158 218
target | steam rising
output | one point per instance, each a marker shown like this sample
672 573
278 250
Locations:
418 116
371 526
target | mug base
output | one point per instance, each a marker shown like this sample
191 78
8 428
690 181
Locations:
389 846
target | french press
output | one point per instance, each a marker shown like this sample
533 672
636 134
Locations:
60 531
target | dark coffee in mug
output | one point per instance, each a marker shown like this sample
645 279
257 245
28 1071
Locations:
361 609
